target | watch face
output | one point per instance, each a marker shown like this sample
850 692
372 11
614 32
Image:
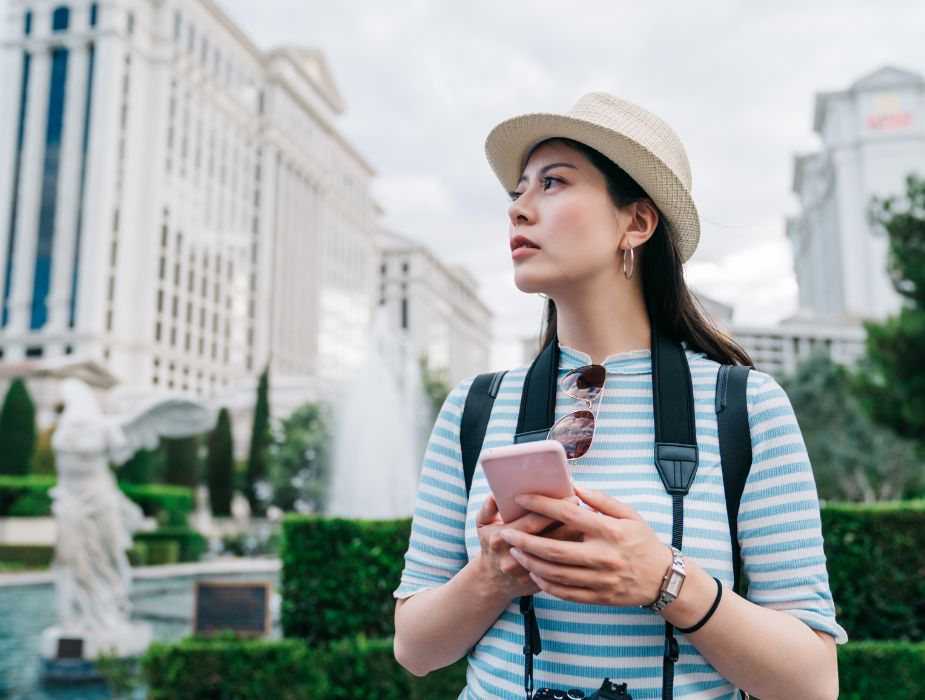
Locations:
674 584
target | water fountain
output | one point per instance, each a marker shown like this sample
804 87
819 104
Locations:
378 442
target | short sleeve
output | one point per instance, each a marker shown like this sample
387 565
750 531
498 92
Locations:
779 524
437 550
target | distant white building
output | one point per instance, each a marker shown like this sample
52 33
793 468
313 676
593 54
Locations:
438 307
177 205
873 136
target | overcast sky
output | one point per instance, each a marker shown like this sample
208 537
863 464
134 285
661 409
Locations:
424 81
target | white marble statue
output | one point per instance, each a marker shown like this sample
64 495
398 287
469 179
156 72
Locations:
96 521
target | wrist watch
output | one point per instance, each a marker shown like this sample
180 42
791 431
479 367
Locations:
671 583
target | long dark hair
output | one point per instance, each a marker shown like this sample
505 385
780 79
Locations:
671 306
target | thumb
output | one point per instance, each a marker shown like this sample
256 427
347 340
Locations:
488 512
603 503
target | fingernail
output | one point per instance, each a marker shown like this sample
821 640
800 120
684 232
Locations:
517 554
507 535
522 500
536 578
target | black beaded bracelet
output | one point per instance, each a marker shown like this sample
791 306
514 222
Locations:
706 618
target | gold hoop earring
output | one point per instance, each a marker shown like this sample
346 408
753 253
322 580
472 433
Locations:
629 274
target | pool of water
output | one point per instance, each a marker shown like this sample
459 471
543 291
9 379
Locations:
165 604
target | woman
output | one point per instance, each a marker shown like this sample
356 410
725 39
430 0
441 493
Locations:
601 222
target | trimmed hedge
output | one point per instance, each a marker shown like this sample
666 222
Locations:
875 669
254 669
189 542
27 496
338 576
876 565
28 556
876 569
245 669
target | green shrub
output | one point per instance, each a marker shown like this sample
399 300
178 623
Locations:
323 558
876 566
25 496
875 669
27 556
162 552
171 505
189 542
138 554
243 669
17 430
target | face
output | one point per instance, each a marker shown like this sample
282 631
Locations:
565 229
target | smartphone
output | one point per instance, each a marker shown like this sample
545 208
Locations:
533 467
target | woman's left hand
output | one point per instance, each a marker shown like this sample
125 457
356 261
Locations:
618 561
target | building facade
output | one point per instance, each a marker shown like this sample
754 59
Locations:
873 136
176 204
436 306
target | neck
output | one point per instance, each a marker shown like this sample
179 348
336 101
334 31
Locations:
603 322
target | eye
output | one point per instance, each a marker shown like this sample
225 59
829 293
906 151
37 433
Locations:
514 195
548 182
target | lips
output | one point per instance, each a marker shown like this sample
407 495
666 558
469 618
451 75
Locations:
522 242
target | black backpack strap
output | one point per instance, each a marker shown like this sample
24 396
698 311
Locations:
476 412
538 399
676 455
735 446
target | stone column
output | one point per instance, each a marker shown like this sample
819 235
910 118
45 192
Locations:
30 194
65 236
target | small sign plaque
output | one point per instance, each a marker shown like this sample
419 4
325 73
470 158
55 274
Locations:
240 606
70 648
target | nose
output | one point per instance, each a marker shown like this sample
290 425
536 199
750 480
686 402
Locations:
521 211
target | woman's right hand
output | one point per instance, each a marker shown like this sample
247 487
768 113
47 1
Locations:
498 566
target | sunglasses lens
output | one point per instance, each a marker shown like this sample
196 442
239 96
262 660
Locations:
585 383
574 431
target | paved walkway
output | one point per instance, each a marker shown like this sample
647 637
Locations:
228 565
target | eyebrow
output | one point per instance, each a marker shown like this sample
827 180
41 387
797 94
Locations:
546 168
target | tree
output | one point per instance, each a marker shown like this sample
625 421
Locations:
256 473
435 386
17 430
853 458
144 467
299 460
891 380
181 461
220 465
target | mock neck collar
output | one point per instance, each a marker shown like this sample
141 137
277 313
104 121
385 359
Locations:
631 362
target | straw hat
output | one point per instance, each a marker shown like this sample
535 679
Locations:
632 137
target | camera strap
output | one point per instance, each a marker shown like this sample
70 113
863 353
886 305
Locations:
675 457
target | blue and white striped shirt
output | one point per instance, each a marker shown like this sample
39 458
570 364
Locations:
779 529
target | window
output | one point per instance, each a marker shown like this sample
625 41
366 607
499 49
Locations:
130 23
94 12
27 28
177 25
60 19
34 351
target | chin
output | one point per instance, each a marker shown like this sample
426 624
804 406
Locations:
529 285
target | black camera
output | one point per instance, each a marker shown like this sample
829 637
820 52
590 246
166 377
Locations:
608 691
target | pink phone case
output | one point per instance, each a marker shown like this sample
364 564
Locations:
534 467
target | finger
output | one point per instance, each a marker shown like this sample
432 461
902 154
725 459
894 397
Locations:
607 505
562 592
488 512
553 550
558 531
557 573
534 523
563 510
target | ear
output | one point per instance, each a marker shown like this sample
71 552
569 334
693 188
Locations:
642 220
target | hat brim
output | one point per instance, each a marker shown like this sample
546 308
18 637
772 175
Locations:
509 143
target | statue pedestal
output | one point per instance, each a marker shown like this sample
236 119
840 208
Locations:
67 656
